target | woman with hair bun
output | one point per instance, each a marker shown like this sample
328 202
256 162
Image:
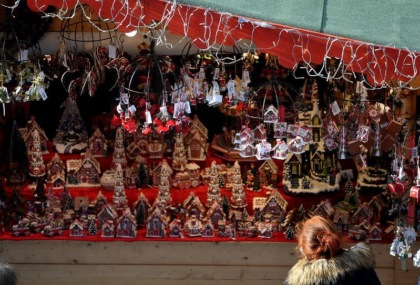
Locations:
324 262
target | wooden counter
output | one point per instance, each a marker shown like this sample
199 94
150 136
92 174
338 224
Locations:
40 262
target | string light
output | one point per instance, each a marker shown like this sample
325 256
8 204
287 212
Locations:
220 28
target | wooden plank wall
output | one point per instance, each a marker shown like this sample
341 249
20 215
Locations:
161 263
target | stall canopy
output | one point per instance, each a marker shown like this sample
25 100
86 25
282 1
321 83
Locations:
374 38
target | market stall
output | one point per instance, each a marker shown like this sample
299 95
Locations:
199 164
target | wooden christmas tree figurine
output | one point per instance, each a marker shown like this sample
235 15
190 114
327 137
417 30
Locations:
118 156
119 197
179 156
213 192
36 161
238 199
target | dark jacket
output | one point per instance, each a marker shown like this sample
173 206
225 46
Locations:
351 266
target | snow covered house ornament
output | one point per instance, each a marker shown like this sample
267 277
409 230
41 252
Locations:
126 227
108 229
83 172
247 149
193 226
259 133
263 150
280 150
56 170
271 115
280 130
76 229
175 229
156 225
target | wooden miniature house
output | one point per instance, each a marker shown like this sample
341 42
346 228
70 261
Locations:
215 214
156 225
375 232
76 229
378 205
156 172
84 171
155 146
324 209
27 134
295 165
247 149
58 180
208 229
175 229
271 115
98 144
99 202
108 213
126 227
364 214
259 133
265 229
195 208
196 141
341 219
139 145
268 173
54 166
193 226
108 229
275 205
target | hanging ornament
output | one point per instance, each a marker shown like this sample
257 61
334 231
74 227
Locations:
263 150
377 152
281 150
362 134
343 144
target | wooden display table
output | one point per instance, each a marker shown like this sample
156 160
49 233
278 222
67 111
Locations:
67 262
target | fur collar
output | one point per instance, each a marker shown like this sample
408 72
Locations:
328 270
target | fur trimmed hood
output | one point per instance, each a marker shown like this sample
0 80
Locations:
327 271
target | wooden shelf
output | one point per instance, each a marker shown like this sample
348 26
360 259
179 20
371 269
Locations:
70 262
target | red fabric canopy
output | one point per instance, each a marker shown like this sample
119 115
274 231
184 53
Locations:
207 28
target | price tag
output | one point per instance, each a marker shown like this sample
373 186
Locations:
231 86
132 109
335 109
112 51
8 74
216 73
43 94
41 75
245 78
201 74
23 55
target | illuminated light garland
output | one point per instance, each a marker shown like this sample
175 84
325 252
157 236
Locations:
211 30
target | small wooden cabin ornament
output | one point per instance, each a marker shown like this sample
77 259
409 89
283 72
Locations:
193 226
196 141
271 115
27 134
83 172
76 229
175 229
156 225
98 144
126 227
108 229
